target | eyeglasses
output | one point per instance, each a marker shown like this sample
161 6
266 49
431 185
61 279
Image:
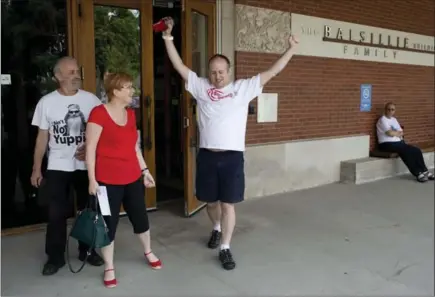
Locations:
391 109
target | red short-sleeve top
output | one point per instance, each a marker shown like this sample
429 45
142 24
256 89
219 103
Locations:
116 161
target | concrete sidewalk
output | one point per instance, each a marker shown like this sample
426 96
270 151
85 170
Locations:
373 240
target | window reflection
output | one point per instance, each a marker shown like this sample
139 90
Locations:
199 44
117 46
33 37
117 49
199 59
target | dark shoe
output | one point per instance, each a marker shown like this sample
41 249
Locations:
215 239
51 267
94 259
226 259
422 178
429 175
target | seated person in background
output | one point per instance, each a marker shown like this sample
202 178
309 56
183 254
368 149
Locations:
390 138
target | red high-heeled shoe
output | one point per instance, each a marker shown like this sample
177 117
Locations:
154 265
109 283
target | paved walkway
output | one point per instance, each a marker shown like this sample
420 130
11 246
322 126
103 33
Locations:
373 239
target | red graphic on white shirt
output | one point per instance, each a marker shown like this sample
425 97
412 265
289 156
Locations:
216 95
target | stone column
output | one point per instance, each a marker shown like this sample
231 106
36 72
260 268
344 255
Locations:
227 29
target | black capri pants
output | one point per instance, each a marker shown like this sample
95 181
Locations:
131 196
220 176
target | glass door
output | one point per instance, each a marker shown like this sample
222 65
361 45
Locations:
35 33
117 36
198 46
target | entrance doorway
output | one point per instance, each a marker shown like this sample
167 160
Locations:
198 46
166 112
104 36
116 38
168 89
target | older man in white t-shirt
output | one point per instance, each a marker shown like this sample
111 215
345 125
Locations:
61 117
222 112
390 139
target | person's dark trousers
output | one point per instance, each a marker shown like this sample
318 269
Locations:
58 185
410 155
131 197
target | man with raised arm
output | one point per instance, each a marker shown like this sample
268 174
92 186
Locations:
222 111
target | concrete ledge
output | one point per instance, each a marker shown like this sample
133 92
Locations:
363 170
288 166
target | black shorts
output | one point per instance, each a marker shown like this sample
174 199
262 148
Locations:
220 176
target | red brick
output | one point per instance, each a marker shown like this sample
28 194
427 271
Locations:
319 97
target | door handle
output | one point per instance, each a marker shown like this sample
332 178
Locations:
148 140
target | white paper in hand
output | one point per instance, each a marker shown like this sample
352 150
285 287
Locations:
103 201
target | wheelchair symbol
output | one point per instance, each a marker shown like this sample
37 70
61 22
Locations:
366 93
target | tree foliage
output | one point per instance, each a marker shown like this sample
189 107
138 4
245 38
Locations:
117 40
33 37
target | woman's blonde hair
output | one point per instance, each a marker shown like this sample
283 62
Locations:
115 81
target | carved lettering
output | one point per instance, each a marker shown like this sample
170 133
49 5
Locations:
362 36
339 34
309 31
380 40
378 44
424 47
356 51
326 31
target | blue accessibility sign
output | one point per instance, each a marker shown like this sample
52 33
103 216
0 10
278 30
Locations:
366 98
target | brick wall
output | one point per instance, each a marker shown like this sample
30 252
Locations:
319 97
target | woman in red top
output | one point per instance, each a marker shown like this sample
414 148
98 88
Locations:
114 160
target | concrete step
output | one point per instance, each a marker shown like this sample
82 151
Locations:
360 171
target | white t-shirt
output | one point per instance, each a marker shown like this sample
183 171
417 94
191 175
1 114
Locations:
385 124
65 117
223 113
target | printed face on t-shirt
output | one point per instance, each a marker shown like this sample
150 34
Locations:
219 73
65 118
71 129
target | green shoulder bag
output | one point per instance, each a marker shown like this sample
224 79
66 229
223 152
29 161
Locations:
90 228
